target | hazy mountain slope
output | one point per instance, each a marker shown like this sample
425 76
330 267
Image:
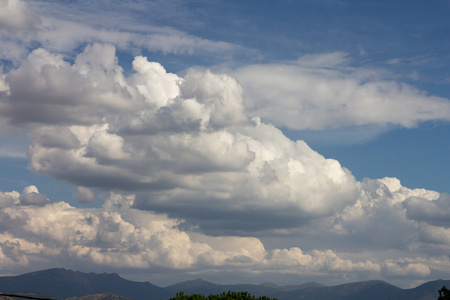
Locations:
426 291
367 290
197 286
200 286
61 284
108 296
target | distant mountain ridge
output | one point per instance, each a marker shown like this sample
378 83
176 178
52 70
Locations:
108 296
63 284
200 286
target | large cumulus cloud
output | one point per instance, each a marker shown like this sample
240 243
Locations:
195 184
379 219
118 236
59 93
185 145
112 236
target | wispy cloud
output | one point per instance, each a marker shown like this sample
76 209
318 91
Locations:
323 92
21 25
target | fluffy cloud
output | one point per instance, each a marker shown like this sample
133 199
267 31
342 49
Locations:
322 92
405 268
31 196
59 93
18 25
119 236
379 218
432 211
295 260
182 142
194 181
185 147
85 195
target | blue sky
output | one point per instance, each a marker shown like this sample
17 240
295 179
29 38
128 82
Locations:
290 140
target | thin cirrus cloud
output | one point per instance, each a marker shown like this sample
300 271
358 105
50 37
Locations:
21 25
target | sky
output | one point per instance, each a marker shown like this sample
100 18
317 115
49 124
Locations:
234 141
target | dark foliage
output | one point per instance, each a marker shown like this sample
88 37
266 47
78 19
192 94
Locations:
222 296
444 294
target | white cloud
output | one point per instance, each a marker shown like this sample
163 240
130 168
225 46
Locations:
31 196
405 268
187 149
118 236
439 235
326 60
321 92
97 236
125 237
60 93
9 198
294 260
180 141
180 152
379 219
4 88
85 195
151 80
57 137
432 211
15 15
23 26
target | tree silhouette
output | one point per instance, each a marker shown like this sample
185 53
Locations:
222 296
444 294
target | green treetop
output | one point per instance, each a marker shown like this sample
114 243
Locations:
223 296
444 294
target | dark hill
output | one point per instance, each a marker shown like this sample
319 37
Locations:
367 290
197 286
428 290
62 284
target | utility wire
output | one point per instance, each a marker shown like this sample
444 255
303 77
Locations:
25 297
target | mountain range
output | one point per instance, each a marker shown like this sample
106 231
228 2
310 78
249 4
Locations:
64 284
